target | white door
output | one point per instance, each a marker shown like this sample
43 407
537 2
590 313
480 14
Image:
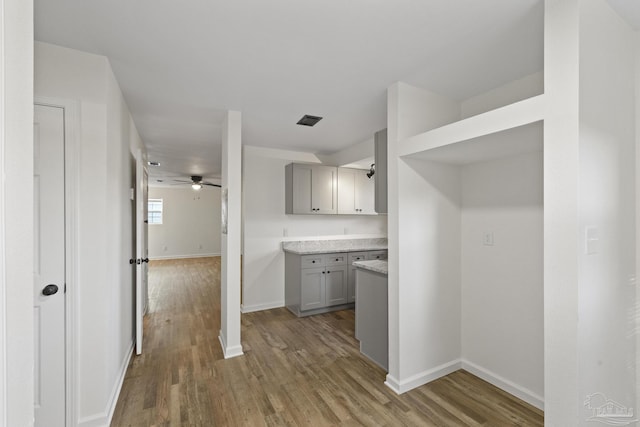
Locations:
142 252
49 266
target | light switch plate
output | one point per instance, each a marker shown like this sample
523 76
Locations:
487 238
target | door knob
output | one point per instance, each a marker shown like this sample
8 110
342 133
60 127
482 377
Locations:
50 290
145 260
132 261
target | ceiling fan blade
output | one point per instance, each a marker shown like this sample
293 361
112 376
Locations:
180 183
212 185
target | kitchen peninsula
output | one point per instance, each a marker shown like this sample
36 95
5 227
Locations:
371 310
319 276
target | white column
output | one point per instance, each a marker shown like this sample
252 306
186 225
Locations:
16 212
231 234
561 157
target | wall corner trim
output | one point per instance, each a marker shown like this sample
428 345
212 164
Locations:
504 384
423 377
229 352
104 419
261 307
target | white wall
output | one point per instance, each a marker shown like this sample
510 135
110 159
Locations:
607 283
515 91
424 269
266 225
190 224
16 213
104 315
502 286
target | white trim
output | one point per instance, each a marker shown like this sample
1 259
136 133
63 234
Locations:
157 258
229 352
3 282
422 378
72 182
104 418
504 384
260 307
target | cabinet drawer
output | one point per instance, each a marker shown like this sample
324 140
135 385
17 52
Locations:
309 261
377 255
336 259
357 256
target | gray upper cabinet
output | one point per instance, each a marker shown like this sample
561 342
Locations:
319 189
355 192
380 152
311 189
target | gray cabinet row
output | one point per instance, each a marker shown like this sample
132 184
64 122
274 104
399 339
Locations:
323 282
321 190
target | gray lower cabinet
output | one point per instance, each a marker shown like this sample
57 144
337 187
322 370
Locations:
316 283
325 282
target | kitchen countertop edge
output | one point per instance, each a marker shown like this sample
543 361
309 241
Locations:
311 247
375 265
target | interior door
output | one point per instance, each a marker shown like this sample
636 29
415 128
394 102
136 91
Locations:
49 266
142 257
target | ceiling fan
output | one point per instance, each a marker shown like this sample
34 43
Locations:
196 182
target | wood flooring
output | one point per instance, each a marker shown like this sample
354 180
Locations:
295 371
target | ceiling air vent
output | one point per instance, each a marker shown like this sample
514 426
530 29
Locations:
308 120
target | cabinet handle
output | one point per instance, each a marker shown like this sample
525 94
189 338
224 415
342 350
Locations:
328 272
313 262
337 259
323 272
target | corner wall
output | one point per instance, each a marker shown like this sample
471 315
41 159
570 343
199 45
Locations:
104 314
607 215
16 213
265 225
190 224
424 270
502 285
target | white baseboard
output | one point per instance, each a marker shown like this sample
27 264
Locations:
104 419
229 352
504 384
156 258
260 307
422 378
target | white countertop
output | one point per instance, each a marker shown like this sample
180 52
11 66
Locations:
375 265
332 246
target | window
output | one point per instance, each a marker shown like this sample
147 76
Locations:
154 213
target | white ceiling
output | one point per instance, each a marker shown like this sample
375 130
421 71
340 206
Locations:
181 64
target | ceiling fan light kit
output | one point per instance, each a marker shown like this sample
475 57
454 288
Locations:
196 182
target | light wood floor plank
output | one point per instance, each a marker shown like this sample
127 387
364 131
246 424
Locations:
295 371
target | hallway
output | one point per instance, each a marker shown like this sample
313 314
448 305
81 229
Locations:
294 372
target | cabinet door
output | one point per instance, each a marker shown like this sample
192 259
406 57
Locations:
364 194
301 188
346 191
324 182
336 285
312 288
